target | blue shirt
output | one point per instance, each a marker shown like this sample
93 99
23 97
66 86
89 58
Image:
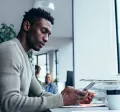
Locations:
50 88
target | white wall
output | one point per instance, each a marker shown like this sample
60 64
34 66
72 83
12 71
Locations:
12 11
94 39
65 60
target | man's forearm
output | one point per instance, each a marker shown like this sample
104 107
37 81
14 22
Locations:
36 89
14 102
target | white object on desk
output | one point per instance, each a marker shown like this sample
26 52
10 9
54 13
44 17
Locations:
113 97
84 109
103 79
85 105
100 80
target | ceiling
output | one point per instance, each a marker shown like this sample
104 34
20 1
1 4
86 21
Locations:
12 11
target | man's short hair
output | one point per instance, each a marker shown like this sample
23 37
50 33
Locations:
37 69
35 14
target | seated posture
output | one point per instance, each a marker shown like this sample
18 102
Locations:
49 86
37 70
37 73
16 76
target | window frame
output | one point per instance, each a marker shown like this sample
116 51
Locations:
117 34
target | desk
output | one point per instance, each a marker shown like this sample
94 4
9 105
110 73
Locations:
99 111
86 109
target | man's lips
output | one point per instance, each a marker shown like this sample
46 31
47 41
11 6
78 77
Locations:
41 44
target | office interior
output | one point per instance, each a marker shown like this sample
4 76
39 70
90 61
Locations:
84 40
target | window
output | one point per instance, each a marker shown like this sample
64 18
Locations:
48 63
56 64
34 59
42 62
117 17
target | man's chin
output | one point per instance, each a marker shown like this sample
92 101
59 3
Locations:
36 49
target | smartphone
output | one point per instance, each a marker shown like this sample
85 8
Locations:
89 86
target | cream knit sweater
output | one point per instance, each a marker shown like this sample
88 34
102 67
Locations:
16 79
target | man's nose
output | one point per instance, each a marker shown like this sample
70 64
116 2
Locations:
45 38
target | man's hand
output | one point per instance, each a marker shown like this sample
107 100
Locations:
87 100
71 95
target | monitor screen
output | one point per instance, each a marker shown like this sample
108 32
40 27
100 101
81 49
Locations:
70 78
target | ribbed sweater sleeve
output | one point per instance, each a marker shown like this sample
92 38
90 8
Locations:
10 98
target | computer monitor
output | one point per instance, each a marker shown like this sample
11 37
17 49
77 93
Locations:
70 79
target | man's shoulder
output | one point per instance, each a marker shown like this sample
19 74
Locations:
8 46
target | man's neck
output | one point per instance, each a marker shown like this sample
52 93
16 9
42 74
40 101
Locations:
22 38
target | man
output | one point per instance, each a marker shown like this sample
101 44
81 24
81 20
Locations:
16 76
37 70
37 73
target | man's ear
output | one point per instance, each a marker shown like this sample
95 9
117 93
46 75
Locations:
26 25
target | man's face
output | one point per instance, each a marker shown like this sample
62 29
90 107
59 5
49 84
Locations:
38 34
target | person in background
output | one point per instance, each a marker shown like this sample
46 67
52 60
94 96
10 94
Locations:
37 73
16 76
49 86
37 70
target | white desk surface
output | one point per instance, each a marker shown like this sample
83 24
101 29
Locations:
88 109
99 111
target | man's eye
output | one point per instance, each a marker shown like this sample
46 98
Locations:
49 34
44 31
